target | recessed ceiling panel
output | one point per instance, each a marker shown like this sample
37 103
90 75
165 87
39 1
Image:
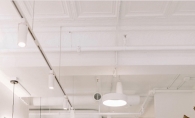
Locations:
96 8
147 8
185 8
47 9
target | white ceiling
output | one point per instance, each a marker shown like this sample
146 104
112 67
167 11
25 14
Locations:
64 25
107 13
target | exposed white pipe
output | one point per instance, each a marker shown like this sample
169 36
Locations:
183 82
111 114
58 101
142 109
173 81
115 114
104 49
132 48
172 91
143 106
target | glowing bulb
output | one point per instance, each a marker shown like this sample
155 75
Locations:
65 103
51 87
115 99
51 80
21 44
114 103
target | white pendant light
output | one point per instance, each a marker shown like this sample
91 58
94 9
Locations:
115 99
51 80
22 33
65 103
72 115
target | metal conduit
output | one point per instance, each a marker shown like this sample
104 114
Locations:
40 49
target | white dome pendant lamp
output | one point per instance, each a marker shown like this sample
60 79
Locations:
115 99
22 33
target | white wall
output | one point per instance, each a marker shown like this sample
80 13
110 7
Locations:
174 105
21 110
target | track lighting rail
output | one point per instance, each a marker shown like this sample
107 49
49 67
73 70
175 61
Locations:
40 49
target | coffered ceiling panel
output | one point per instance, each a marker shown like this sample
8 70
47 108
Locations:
86 9
185 8
49 9
147 8
109 13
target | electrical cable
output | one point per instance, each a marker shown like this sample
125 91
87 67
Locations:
33 14
13 101
60 53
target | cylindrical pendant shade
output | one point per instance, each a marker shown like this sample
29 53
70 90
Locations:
65 103
22 34
51 80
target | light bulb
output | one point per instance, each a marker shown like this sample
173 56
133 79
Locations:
21 44
114 103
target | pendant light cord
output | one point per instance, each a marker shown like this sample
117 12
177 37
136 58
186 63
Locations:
13 101
60 53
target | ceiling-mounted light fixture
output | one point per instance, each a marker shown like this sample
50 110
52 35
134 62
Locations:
22 33
72 113
65 103
115 99
51 80
13 82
